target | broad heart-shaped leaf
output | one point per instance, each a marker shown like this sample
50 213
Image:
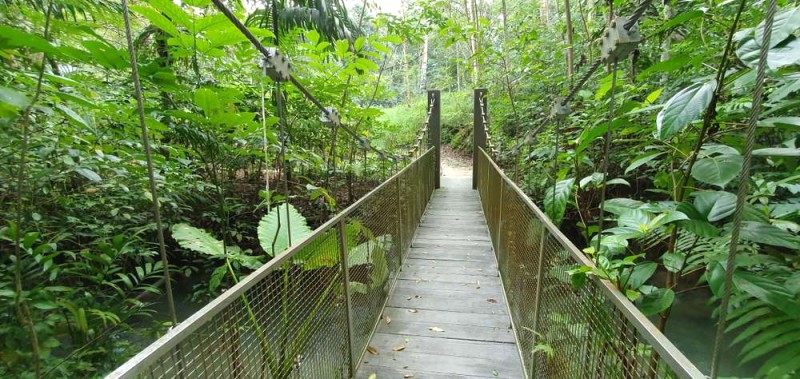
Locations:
555 206
683 108
783 26
718 169
784 54
13 98
641 273
621 205
768 235
88 174
715 205
656 301
697 222
269 231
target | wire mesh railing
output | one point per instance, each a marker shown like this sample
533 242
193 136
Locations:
562 331
309 312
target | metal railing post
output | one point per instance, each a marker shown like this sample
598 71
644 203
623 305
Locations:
400 223
478 130
435 132
342 235
499 229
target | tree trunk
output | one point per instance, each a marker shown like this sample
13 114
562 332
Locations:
423 65
544 11
406 80
472 17
570 51
666 46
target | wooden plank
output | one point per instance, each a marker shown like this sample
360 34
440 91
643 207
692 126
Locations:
441 317
433 261
454 331
441 364
491 286
472 254
480 303
443 278
455 244
381 372
450 236
422 271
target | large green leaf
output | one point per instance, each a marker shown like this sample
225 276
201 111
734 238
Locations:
555 206
768 235
715 205
683 108
273 231
156 18
656 301
641 160
198 240
785 54
718 165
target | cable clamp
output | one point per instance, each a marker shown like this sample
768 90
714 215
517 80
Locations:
617 42
560 109
331 117
276 66
363 143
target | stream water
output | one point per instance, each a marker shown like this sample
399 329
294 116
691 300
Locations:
693 330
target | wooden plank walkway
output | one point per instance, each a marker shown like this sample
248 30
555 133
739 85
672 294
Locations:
447 315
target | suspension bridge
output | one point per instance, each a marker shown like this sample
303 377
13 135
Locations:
425 276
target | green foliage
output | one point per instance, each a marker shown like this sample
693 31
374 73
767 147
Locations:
279 225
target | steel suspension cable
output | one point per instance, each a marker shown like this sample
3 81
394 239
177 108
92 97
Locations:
637 14
744 186
137 89
266 143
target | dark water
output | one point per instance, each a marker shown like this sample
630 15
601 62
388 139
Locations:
693 330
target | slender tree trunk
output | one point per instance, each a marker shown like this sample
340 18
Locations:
666 46
544 10
406 79
423 65
472 17
505 21
570 51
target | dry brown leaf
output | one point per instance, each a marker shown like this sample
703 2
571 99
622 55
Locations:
492 300
412 311
399 347
436 329
373 350
406 376
387 319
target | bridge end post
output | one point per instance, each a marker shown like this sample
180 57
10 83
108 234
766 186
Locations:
479 110
435 133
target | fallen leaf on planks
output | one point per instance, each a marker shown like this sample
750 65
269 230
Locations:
399 348
436 329
373 350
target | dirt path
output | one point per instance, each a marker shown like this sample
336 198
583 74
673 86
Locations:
455 164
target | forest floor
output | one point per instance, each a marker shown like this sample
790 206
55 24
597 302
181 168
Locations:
455 163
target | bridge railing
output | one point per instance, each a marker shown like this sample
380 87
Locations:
310 311
562 331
